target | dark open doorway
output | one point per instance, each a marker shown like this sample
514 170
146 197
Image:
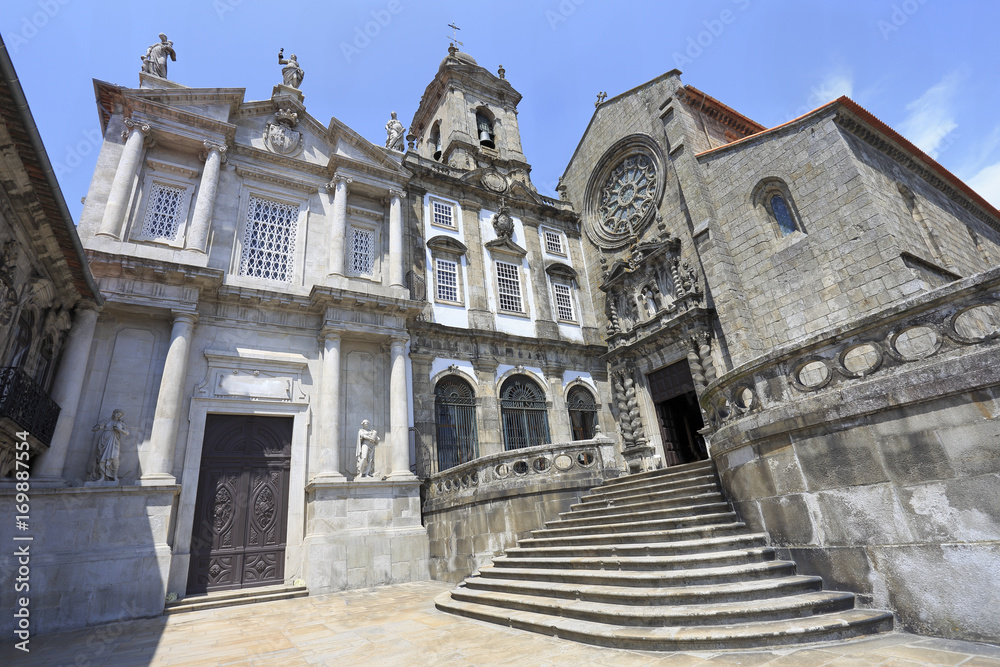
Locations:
672 391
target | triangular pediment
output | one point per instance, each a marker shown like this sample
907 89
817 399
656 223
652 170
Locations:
506 246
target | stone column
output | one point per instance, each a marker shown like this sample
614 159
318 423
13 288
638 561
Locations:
396 238
328 437
560 428
399 410
66 392
338 233
163 438
201 221
121 187
488 414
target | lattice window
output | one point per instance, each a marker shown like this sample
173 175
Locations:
564 301
523 413
455 407
362 251
447 280
509 287
553 243
163 212
444 214
269 240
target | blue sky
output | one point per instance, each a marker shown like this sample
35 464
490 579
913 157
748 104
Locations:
928 68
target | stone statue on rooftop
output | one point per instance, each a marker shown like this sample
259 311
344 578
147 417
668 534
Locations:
291 72
155 60
394 133
367 440
109 447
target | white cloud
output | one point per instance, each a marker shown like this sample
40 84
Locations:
987 183
836 83
931 116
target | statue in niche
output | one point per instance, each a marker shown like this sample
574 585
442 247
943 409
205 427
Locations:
367 441
394 134
109 446
155 60
649 301
291 72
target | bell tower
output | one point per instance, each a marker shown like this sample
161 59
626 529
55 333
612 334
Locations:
467 118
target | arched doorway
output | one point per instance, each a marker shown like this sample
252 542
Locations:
455 415
523 412
582 412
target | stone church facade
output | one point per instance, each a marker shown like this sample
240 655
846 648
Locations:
814 306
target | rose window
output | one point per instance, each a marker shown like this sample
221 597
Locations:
628 195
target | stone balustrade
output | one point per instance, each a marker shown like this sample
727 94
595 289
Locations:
529 466
924 329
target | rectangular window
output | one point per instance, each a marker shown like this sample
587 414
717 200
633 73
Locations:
564 302
163 212
447 280
362 251
269 240
509 287
553 243
444 214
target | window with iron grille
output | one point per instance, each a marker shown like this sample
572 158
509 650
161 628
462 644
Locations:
582 413
553 243
455 410
523 413
362 251
447 280
444 214
269 240
509 287
163 212
564 301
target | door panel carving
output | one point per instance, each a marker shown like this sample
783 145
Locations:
241 511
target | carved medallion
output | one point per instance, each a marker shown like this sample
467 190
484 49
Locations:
494 182
222 508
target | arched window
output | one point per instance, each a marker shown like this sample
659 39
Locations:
782 215
455 407
582 413
435 140
522 409
484 129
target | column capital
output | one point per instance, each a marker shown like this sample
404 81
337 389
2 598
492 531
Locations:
398 340
84 305
135 125
185 316
210 146
396 192
337 180
470 205
329 332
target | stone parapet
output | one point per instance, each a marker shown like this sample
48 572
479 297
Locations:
869 454
479 509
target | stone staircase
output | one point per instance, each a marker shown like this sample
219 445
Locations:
240 596
658 561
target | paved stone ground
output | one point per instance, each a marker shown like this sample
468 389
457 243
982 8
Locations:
398 625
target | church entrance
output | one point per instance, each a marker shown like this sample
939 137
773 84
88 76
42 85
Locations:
672 391
241 509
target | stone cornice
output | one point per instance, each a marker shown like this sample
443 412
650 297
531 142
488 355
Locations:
275 179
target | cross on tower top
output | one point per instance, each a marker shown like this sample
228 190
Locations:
454 35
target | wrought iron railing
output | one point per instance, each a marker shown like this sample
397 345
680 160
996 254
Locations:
27 404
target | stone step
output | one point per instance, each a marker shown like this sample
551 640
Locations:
625 527
642 563
234 598
598 496
639 496
704 545
644 478
825 627
640 537
693 508
756 589
710 494
720 613
654 579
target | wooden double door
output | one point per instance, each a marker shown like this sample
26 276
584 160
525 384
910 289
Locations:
241 510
